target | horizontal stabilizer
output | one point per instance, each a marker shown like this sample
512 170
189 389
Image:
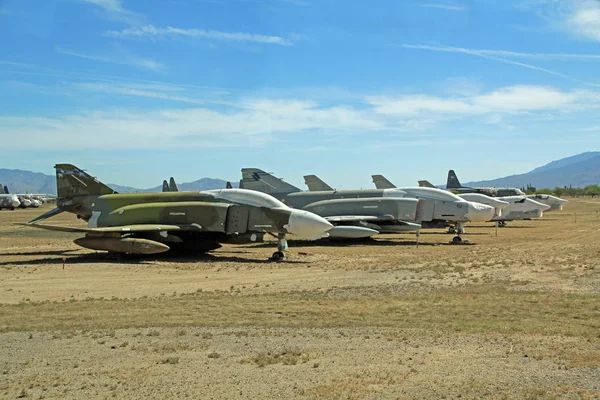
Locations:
52 213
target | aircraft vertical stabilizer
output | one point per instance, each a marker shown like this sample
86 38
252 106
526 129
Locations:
261 181
172 185
72 181
165 186
315 184
452 182
381 182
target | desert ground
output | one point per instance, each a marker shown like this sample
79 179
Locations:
509 315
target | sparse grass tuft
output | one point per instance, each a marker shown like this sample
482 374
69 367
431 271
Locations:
287 356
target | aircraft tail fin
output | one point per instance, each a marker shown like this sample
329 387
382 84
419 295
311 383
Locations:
6 190
381 182
72 181
261 181
426 184
172 185
228 185
315 184
452 182
2 189
165 186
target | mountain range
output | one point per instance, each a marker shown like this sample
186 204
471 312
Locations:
576 171
580 171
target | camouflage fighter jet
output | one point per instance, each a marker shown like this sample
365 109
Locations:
454 185
148 223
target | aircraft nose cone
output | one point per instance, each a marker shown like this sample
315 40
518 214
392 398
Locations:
16 203
480 212
307 225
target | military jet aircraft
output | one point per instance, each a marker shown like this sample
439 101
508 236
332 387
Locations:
353 212
511 207
430 195
454 185
555 203
148 223
25 200
439 201
495 202
7 200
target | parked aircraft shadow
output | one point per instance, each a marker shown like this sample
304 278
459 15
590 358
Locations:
179 258
342 243
38 253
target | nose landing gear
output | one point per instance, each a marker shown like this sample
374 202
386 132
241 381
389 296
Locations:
281 247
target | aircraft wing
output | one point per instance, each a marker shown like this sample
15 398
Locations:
117 229
358 218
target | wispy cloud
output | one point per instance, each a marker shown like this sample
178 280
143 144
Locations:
108 5
579 18
445 6
247 119
154 91
122 57
517 99
114 10
152 32
495 55
584 19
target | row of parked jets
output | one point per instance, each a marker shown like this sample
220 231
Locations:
11 201
147 223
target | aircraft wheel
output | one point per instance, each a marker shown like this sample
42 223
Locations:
456 240
277 256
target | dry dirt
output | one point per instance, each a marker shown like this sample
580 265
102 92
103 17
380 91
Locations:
515 315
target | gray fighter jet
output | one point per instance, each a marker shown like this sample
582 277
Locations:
354 211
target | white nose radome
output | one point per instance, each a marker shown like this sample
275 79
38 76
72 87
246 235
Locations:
480 212
307 225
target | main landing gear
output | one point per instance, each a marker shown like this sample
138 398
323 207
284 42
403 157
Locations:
281 247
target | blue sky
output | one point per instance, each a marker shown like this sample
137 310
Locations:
136 91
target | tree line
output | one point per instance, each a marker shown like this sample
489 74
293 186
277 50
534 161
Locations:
590 190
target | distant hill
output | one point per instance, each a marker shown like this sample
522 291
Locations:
576 171
200 184
19 181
